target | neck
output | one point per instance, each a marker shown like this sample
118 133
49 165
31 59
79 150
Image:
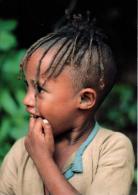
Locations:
79 133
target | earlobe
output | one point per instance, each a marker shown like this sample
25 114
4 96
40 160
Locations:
87 98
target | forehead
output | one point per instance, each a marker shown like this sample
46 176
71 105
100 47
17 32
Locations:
35 58
32 65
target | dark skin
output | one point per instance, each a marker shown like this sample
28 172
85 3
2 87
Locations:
69 124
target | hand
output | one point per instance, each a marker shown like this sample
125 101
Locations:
40 145
39 142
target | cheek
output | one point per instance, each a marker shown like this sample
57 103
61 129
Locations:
45 105
55 108
52 103
57 112
51 109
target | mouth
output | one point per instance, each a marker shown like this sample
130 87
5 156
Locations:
37 116
33 115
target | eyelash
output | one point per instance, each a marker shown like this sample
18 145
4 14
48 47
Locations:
38 88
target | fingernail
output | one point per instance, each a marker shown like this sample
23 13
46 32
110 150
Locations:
45 121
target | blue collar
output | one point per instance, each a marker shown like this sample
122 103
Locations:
76 166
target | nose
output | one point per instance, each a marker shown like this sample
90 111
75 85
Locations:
29 99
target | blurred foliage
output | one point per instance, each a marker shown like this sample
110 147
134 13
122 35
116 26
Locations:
118 110
136 176
13 123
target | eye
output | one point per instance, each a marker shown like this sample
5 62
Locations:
39 88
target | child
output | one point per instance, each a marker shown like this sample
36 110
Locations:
66 152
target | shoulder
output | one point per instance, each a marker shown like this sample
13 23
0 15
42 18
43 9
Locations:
107 136
112 163
17 153
11 166
115 144
18 146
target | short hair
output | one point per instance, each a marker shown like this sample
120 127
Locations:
82 46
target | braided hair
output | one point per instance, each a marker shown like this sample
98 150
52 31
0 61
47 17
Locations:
82 46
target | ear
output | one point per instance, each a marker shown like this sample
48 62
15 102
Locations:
87 98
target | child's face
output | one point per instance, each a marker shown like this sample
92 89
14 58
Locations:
57 102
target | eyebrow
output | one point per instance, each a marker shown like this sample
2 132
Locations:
33 82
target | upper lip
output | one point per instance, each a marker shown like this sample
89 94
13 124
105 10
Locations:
32 113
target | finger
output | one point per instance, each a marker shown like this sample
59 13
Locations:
32 122
48 136
38 128
45 121
47 129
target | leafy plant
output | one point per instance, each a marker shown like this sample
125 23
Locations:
13 123
119 109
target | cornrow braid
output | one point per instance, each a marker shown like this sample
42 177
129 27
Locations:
101 80
62 60
33 48
58 56
52 43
